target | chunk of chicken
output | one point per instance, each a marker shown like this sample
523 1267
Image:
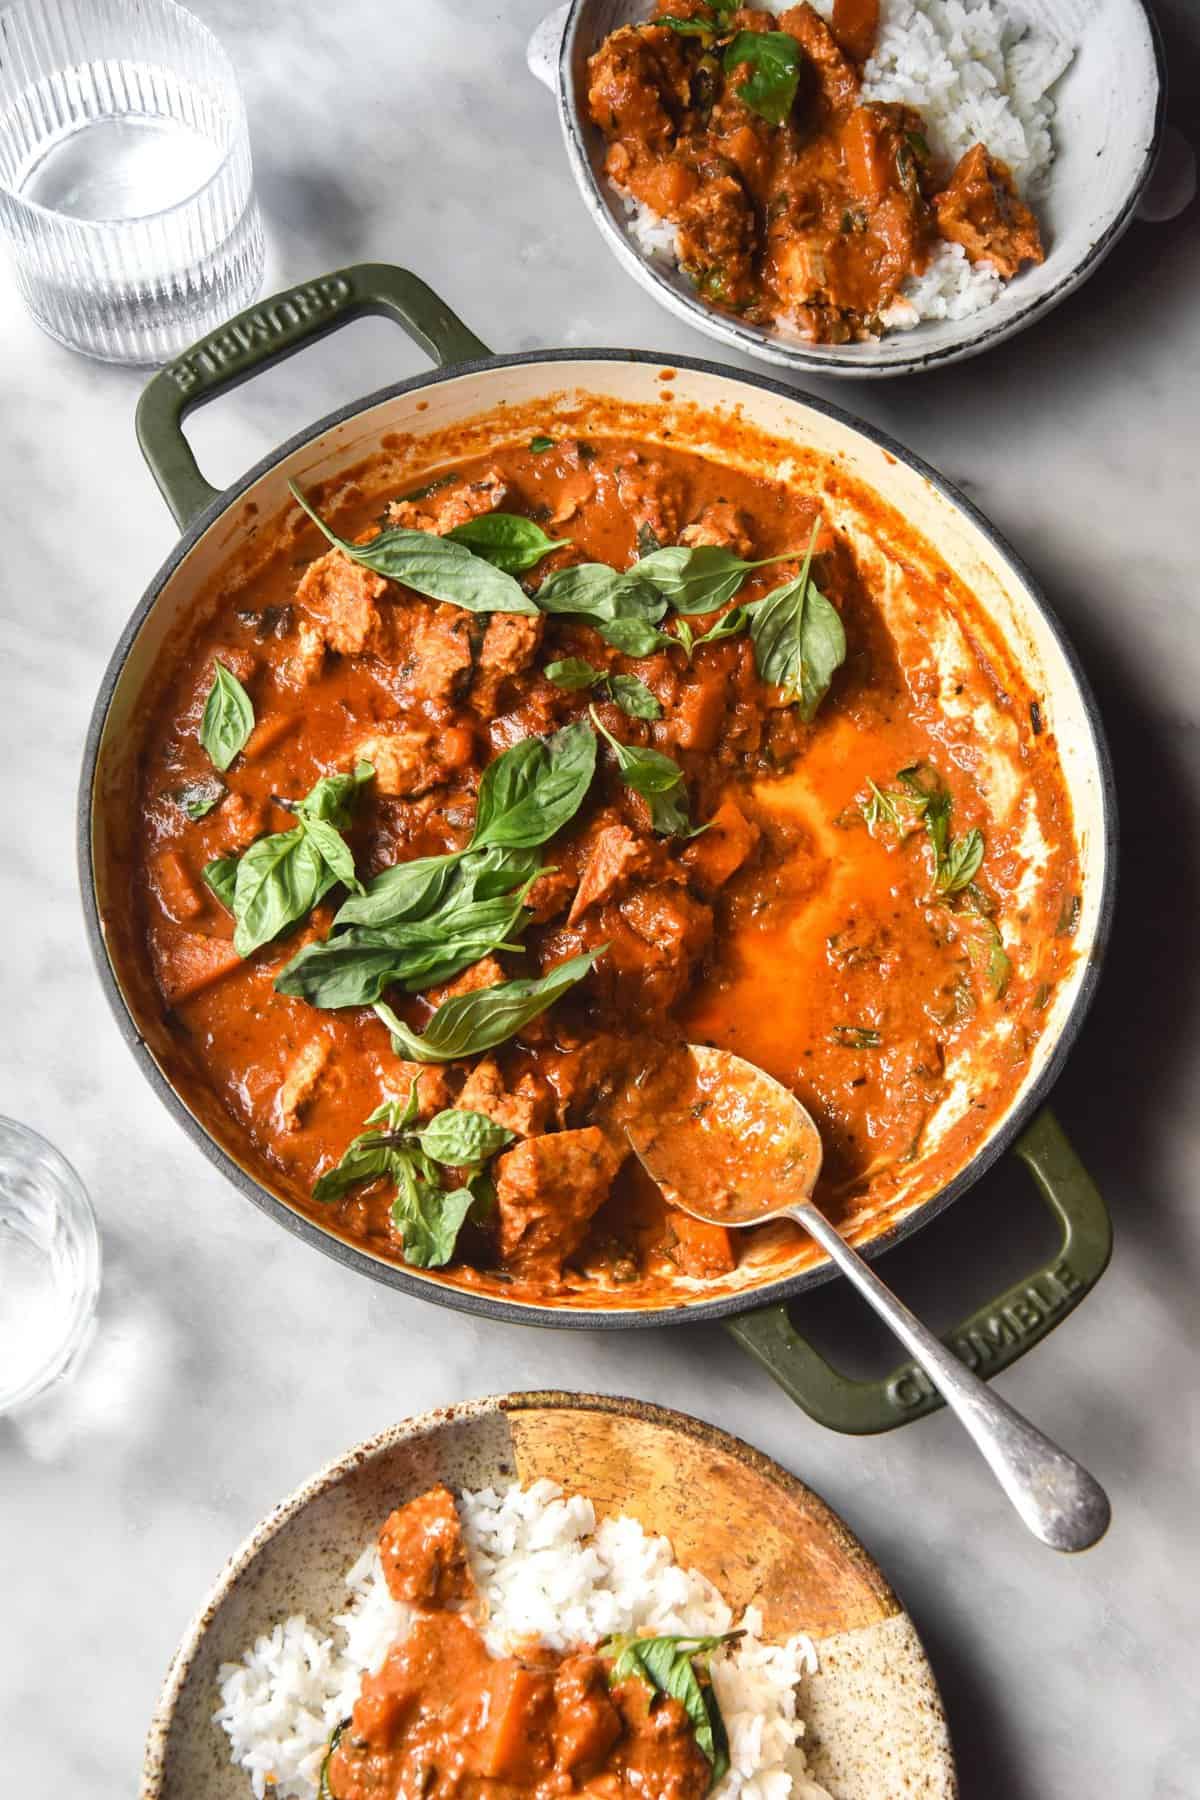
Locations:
982 211
510 644
301 1081
485 973
423 1554
523 1109
723 526
342 601
439 658
547 1189
718 235
403 760
638 86
616 856
452 503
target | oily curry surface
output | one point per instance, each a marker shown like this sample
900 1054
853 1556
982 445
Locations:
832 873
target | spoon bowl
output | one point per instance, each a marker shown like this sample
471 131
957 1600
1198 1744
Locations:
730 1145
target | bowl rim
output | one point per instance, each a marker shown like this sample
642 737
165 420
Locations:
823 359
781 1289
429 1423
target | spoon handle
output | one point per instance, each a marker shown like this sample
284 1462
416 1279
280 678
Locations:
1060 1502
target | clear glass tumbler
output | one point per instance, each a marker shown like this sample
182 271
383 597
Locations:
126 190
49 1264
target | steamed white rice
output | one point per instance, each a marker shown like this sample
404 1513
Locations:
979 73
545 1569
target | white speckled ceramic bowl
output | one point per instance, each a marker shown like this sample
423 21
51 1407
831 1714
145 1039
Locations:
1107 131
876 1730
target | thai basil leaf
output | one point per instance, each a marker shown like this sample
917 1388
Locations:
431 565
699 579
429 1219
697 27
633 697
889 806
506 540
478 1021
355 966
666 1664
656 778
598 594
428 1216
961 863
197 798
463 1139
540 444
221 876
799 641
228 718
281 878
634 637
408 890
531 790
773 60
956 861
332 799
985 947
730 624
279 881
573 673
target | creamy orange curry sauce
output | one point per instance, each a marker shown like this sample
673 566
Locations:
442 1718
810 869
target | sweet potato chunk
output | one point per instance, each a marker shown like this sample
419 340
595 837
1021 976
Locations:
547 1189
178 891
190 963
701 1249
982 211
719 852
423 1554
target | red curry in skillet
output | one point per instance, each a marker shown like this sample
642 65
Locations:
425 881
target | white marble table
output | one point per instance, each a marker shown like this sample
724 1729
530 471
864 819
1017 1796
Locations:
231 1360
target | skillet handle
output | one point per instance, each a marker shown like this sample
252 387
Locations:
992 1338
267 334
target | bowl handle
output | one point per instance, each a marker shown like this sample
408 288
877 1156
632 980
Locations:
992 1338
544 47
268 333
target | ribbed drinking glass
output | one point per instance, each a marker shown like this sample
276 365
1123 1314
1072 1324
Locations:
126 189
49 1264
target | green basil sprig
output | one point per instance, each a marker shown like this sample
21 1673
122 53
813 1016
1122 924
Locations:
280 878
428 1214
431 565
668 1666
956 861
799 640
540 444
773 60
423 922
633 697
599 595
701 578
506 540
353 967
472 1023
228 718
533 789
657 779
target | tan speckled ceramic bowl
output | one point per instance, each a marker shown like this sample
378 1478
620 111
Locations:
875 1723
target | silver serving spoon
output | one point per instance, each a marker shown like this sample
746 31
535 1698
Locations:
734 1147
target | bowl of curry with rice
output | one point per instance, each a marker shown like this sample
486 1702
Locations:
857 187
532 717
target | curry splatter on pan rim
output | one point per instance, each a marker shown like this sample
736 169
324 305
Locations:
868 1642
361 284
